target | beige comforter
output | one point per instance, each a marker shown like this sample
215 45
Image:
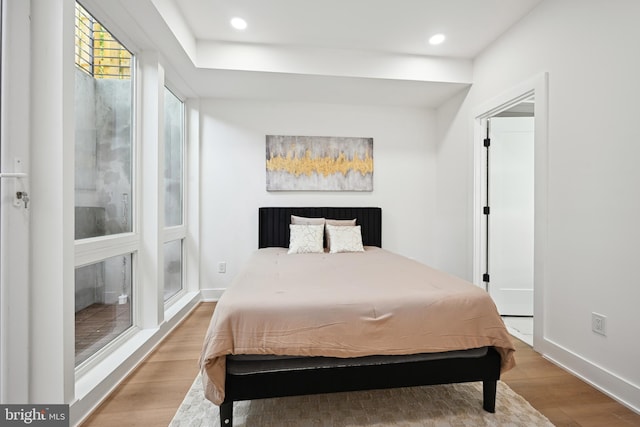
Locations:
346 305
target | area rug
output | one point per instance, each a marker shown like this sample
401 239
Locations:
437 406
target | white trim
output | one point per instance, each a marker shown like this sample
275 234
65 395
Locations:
212 294
151 278
174 233
89 251
192 195
538 87
627 394
106 352
173 89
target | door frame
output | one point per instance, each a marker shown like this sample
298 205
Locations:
538 88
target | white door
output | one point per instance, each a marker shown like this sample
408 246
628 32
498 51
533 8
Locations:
511 215
14 216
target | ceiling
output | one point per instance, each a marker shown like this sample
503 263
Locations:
372 52
399 26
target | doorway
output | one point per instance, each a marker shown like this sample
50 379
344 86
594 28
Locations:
510 205
509 153
509 218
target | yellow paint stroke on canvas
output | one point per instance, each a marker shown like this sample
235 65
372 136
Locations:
325 166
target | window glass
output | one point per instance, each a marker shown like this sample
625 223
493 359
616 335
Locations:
103 304
103 133
173 159
172 268
103 182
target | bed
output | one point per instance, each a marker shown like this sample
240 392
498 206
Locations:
306 323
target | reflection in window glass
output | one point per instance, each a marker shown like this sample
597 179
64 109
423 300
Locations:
172 268
173 154
103 137
103 304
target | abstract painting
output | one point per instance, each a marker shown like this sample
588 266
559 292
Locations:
319 163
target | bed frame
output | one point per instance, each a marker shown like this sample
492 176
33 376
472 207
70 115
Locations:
249 378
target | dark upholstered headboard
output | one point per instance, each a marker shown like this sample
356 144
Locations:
273 223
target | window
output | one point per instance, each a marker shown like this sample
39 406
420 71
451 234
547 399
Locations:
103 110
103 304
173 193
103 187
172 268
173 159
98 53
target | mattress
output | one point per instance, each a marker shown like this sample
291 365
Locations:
346 305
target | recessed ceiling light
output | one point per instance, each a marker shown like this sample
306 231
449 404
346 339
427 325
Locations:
238 23
436 39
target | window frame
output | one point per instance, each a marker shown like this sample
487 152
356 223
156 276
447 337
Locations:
178 232
100 354
100 248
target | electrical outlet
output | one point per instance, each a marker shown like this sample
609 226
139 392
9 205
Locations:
598 324
222 267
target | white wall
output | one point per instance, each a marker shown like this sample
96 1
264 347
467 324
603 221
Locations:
233 174
589 48
454 190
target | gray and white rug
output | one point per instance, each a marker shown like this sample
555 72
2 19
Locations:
438 406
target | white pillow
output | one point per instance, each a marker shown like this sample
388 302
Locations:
305 239
301 220
337 222
340 222
345 238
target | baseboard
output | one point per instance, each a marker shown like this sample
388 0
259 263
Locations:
612 385
212 294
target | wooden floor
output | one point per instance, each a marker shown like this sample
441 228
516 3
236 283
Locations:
564 399
152 394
